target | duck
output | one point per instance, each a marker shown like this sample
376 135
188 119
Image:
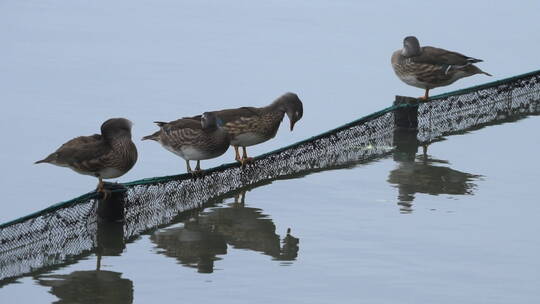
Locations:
430 67
193 139
110 154
248 126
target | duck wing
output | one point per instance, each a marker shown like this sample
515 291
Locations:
437 56
83 153
184 131
180 128
183 123
81 141
230 115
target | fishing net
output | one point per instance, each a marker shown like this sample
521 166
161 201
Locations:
63 232
477 107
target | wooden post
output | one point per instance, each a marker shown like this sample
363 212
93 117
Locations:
406 117
406 129
111 209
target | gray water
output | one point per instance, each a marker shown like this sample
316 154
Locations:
369 234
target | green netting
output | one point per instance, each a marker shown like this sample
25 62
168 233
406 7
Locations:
64 231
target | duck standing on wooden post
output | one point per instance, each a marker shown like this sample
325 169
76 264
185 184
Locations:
105 156
250 126
197 138
429 67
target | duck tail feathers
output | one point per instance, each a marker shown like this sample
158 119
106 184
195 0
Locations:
473 70
479 71
160 123
154 136
48 159
474 60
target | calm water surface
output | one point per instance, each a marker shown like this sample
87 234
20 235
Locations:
457 226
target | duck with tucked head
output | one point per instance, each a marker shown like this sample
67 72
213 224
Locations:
193 139
105 156
248 126
429 67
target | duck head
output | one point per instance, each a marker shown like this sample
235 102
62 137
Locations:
116 127
292 106
411 47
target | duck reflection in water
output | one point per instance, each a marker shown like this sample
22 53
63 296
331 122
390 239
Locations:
97 286
423 174
202 238
194 245
94 286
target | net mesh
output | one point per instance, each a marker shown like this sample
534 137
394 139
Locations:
477 108
65 231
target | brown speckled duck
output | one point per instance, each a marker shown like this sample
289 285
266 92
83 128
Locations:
249 126
193 139
109 155
429 67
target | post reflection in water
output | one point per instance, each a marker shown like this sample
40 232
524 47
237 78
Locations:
421 174
207 235
94 286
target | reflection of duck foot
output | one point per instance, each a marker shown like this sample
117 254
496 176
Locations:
98 262
240 199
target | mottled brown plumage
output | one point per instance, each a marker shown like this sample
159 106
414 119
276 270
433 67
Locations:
264 123
193 139
249 126
104 156
429 67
